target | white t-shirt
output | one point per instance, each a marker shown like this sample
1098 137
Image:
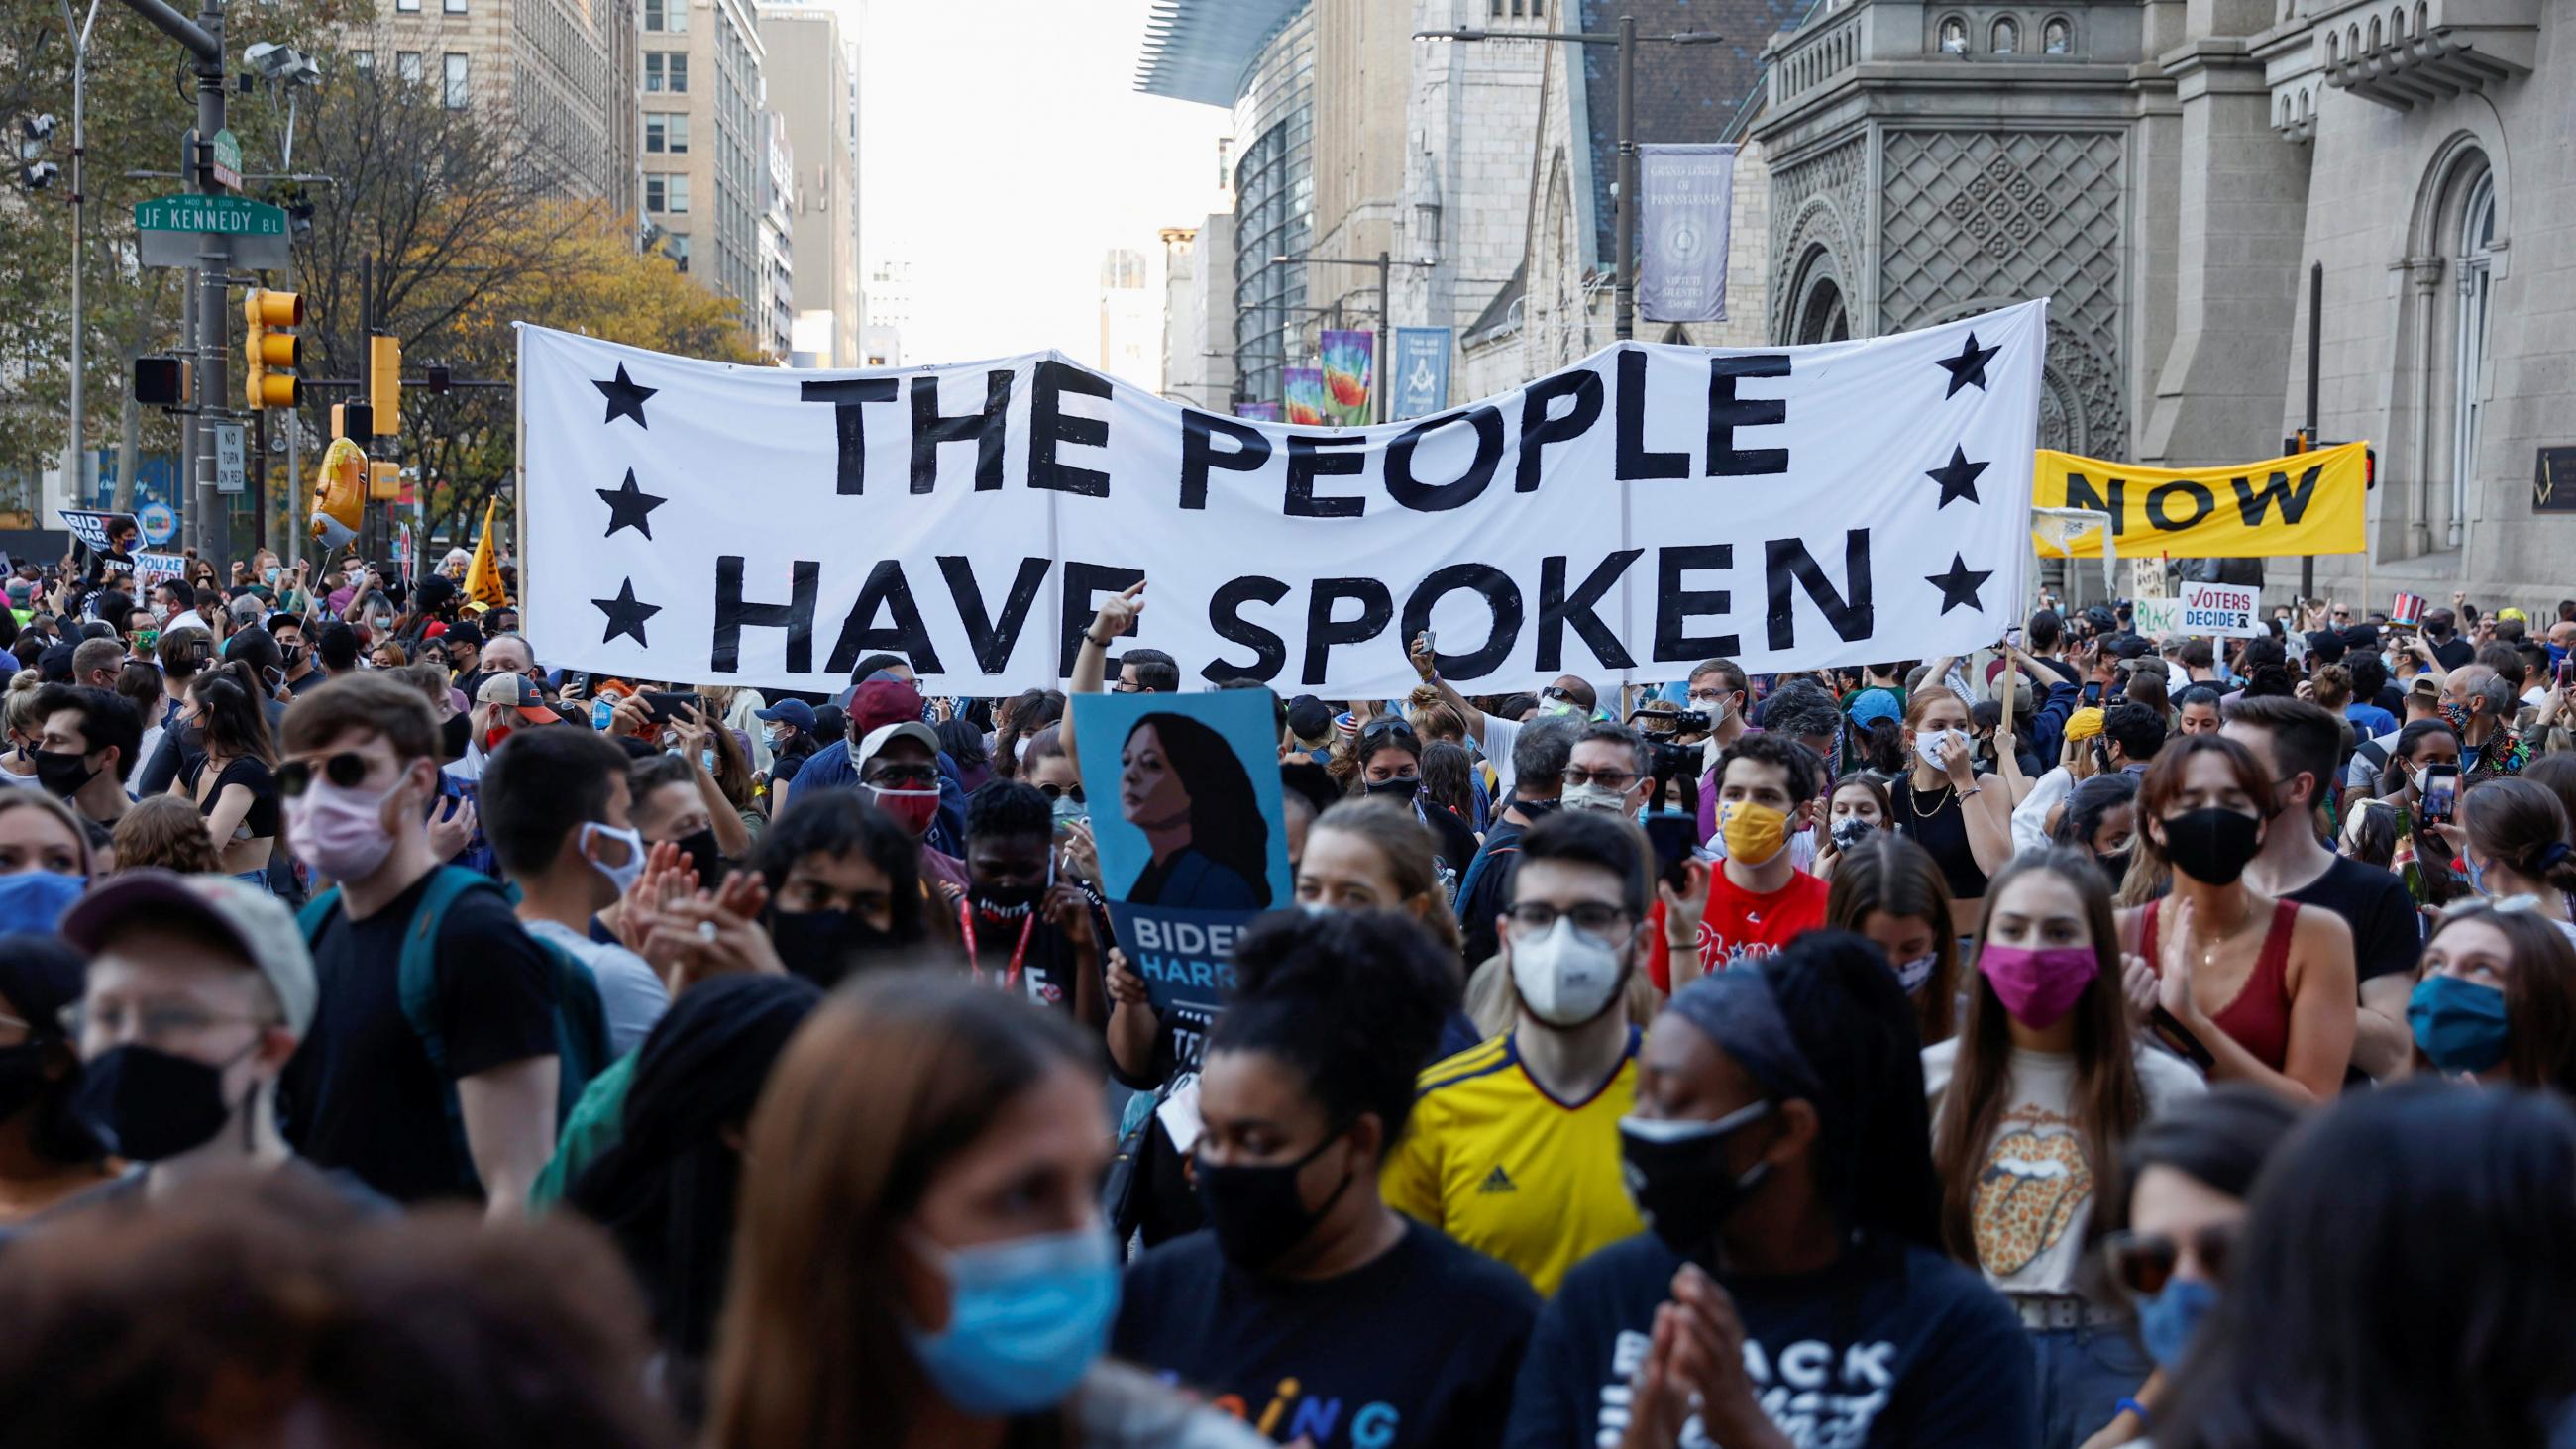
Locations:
1497 735
2034 1194
2030 817
631 994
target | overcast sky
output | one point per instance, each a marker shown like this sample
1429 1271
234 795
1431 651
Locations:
1003 150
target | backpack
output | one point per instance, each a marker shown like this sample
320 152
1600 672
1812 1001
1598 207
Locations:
581 1024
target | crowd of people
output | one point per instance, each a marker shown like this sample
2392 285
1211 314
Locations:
2100 1039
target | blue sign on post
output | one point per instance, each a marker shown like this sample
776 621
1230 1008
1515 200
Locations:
1418 370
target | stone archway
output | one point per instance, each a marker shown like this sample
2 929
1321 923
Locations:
1819 309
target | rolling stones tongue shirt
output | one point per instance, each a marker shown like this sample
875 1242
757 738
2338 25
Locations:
2034 1190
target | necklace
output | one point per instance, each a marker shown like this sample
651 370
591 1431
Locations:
1914 801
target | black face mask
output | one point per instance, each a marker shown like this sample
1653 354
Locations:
700 847
22 1076
824 946
147 1104
1401 790
2212 845
453 735
1006 903
1678 1178
1256 1210
62 773
2114 866
1534 810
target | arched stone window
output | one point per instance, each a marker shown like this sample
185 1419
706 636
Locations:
2006 38
2057 37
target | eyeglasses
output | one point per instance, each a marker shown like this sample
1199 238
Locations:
1578 777
162 1021
1592 918
1061 792
347 769
2144 1262
904 776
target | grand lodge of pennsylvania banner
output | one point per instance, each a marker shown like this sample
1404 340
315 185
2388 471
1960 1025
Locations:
1621 519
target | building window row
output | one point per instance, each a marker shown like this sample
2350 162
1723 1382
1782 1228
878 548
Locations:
2003 36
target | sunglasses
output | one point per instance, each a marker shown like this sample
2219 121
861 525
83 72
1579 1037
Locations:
2143 1263
1060 792
1386 729
347 769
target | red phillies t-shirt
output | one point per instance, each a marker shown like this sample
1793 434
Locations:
1740 925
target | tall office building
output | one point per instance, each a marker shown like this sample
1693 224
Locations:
813 83
556 74
774 320
1131 319
705 143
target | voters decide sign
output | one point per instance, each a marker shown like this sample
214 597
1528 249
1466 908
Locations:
1621 519
2227 610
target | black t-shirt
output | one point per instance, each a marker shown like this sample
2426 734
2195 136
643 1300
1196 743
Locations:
1048 968
251 774
1943 831
1890 1347
1457 838
2387 931
1490 892
360 1092
2454 652
1418 1347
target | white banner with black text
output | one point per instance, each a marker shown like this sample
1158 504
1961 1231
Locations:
1621 519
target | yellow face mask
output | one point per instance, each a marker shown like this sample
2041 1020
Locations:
1754 833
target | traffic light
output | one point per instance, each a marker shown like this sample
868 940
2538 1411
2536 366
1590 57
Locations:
384 383
273 352
384 481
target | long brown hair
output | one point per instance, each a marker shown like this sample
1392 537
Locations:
2156 792
892 1077
1409 850
1890 873
2539 994
2108 1100
2522 825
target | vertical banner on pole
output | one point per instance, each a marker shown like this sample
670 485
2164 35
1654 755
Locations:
1267 412
1305 389
1349 373
1418 369
1687 196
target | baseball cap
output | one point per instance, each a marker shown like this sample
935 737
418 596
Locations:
521 694
789 711
886 734
830 721
881 702
465 632
435 590
1872 705
248 919
1309 717
2426 686
2085 723
54 666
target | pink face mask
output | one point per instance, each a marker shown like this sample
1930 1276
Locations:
915 808
2038 987
339 832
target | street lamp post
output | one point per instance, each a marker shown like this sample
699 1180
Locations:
75 456
1624 266
1385 265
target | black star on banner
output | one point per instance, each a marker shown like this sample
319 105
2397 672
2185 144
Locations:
1958 586
631 507
1958 477
1969 366
626 396
626 616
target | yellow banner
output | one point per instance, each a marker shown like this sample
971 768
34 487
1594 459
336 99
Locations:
2304 503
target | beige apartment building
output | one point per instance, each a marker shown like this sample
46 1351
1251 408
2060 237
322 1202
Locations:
705 141
813 86
560 73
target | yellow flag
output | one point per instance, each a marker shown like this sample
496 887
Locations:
483 575
2304 503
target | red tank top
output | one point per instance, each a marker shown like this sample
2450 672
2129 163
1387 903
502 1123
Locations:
2259 1017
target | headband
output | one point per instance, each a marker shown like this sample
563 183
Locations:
1739 1012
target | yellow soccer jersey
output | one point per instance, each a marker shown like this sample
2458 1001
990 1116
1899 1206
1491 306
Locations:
1496 1163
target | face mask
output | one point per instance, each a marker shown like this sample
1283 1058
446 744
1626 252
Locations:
1594 797
1256 1209
1565 976
2460 1024
1401 789
824 946
2038 987
1006 903
2114 864
382 624
338 832
1754 833
492 738
1026 1320
33 901
62 773
2457 716
149 1104
1067 810
914 808
1849 832
453 735
268 576
293 654
620 876
1912 974
22 1076
2167 1321
700 847
1927 744
1676 1174
2212 844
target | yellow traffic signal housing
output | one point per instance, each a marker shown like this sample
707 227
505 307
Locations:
384 383
384 482
272 353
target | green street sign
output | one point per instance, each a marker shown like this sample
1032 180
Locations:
227 149
231 215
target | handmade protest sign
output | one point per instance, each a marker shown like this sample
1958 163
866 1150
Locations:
1620 519
1193 842
2303 503
2226 610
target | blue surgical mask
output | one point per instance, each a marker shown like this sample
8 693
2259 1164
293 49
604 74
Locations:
2460 1024
1026 1319
33 901
2167 1321
1067 810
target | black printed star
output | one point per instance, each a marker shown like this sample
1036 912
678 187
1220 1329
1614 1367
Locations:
625 615
1960 584
1969 366
631 507
1958 477
626 396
